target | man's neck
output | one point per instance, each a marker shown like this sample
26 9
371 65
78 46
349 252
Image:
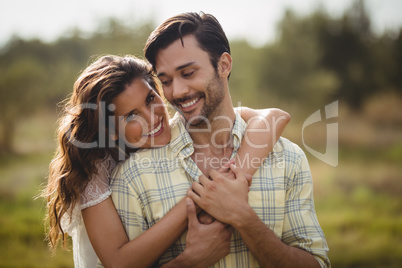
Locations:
213 141
216 131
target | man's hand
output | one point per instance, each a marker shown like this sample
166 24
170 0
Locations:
221 197
206 244
205 218
226 170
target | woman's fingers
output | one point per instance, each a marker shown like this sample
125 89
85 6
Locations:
225 167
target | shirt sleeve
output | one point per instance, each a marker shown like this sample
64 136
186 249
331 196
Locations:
98 188
301 227
127 200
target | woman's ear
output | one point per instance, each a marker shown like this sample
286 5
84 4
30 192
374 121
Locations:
114 137
225 65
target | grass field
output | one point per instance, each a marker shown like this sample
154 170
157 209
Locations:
358 203
22 239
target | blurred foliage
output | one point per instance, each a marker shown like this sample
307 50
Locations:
314 60
34 74
318 58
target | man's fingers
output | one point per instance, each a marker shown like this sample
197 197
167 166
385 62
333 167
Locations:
194 196
214 174
203 180
230 175
197 188
249 179
224 167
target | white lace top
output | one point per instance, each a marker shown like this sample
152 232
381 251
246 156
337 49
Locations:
97 190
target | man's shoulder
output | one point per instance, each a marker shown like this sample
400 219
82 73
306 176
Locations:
285 146
288 153
287 159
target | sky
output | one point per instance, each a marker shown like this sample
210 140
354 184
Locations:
50 19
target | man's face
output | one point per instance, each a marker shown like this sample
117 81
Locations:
190 82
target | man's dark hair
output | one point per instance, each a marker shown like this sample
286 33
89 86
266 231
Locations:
205 27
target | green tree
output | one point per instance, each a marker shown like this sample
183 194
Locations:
347 51
244 77
290 67
397 57
20 95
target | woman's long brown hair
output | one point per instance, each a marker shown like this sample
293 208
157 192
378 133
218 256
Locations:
85 119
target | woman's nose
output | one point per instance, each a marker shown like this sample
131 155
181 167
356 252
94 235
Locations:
153 114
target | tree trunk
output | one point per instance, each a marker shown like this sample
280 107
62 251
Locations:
6 137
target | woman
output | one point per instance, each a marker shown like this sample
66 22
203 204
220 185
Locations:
101 122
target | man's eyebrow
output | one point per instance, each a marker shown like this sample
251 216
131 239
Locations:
178 68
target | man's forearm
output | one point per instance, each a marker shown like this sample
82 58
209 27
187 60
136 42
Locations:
266 247
180 261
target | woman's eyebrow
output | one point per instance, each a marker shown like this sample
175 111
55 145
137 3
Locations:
129 113
135 109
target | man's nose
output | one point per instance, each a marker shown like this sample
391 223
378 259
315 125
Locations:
180 89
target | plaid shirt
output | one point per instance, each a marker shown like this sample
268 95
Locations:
151 182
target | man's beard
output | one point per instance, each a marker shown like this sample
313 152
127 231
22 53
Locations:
211 105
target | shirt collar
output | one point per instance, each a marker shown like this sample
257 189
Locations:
181 139
238 131
181 142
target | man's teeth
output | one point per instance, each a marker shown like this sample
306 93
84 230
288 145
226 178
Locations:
188 104
155 130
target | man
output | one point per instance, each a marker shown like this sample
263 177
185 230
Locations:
275 223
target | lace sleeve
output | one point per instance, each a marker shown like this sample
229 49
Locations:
98 188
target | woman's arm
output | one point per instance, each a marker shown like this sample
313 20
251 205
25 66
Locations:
263 131
110 242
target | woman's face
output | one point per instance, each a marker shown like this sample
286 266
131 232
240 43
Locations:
141 116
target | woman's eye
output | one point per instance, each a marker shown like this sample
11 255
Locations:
130 118
150 98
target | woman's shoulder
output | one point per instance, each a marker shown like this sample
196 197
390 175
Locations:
98 188
104 165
